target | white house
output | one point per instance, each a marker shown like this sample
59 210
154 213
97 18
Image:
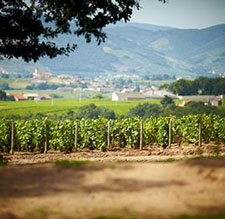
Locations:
126 96
158 94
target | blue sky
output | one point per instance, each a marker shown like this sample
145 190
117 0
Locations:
181 13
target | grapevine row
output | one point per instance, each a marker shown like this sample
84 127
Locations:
40 135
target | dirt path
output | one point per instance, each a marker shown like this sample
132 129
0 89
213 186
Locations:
124 155
146 189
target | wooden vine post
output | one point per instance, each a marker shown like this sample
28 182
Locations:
141 135
12 139
76 136
46 138
170 134
200 133
108 136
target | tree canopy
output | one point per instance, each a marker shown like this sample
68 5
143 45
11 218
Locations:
28 27
147 110
202 85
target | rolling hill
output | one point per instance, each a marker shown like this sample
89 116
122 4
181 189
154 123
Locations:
141 49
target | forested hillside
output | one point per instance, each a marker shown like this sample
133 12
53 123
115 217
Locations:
139 49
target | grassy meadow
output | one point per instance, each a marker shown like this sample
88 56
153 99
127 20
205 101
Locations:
59 106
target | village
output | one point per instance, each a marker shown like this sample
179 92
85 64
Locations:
118 87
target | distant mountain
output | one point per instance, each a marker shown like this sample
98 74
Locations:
142 49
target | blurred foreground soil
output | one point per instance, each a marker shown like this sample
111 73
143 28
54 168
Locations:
153 183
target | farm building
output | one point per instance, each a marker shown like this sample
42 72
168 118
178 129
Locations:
30 96
43 97
126 96
17 97
158 94
146 95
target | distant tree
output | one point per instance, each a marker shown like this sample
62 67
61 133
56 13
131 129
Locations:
39 115
70 114
166 77
5 86
200 108
167 101
184 87
194 104
10 98
106 113
137 88
99 96
30 87
2 95
207 86
4 75
93 112
145 110
146 77
156 77
42 86
164 86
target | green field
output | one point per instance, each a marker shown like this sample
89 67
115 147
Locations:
60 106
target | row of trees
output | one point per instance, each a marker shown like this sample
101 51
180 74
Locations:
146 110
202 85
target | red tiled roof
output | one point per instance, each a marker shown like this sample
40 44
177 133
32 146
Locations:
44 96
18 96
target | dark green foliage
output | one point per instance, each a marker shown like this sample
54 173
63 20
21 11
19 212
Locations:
24 24
62 134
145 110
92 133
126 132
43 86
202 85
31 135
167 101
187 127
184 87
5 135
93 112
2 95
168 108
99 96
162 131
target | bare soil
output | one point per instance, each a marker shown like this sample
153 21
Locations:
125 182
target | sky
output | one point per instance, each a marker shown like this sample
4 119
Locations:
181 13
